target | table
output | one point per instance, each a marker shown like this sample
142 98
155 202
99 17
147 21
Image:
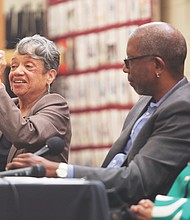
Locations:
29 198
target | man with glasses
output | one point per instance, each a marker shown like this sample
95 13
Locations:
154 145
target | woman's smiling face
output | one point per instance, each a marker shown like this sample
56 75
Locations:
28 77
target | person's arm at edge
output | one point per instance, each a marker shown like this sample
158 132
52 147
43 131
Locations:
143 210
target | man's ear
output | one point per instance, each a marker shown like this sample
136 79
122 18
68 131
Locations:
160 64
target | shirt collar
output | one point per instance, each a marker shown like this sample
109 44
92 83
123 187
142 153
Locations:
156 104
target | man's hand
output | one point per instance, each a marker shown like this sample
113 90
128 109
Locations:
29 159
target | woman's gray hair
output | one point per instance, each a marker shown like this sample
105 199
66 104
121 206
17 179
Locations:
39 47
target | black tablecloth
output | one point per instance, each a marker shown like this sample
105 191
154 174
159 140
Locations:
27 198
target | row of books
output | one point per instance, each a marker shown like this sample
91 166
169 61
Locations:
94 49
92 129
96 89
88 157
80 15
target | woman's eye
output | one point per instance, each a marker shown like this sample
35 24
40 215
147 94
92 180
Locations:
29 66
13 67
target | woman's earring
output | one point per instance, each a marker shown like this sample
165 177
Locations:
157 75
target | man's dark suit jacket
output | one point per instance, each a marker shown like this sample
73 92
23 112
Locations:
160 151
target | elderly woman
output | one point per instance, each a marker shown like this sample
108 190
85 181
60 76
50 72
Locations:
26 122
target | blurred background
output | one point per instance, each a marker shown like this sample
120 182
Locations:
91 36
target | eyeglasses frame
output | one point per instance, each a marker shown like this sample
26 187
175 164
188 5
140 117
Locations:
126 60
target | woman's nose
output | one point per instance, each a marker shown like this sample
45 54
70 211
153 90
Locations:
19 70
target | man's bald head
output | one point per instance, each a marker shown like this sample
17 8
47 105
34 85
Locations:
164 40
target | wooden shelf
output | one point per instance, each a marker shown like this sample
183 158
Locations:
101 29
101 108
63 72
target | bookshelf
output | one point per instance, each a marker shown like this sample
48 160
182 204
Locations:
92 37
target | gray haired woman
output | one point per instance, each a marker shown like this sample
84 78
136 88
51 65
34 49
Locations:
35 115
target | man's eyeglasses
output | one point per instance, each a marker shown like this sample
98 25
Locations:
126 61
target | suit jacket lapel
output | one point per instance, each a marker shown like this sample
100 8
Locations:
134 150
121 142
